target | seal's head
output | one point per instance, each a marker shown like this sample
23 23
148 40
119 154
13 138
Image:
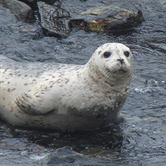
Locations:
112 60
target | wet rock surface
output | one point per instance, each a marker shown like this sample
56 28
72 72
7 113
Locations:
139 140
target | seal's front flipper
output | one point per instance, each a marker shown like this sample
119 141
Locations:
34 105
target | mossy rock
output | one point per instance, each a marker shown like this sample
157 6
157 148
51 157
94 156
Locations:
108 18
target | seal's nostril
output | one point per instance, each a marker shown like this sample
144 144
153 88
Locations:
121 60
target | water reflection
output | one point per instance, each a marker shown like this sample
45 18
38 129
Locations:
106 140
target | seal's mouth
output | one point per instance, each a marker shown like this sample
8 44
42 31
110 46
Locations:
120 71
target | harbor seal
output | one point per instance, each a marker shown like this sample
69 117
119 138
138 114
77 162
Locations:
66 97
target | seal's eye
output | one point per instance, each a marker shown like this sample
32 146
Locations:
126 53
107 54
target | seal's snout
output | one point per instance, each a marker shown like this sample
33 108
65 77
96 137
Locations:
121 61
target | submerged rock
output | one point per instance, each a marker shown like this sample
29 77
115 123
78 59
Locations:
65 156
21 11
123 15
54 19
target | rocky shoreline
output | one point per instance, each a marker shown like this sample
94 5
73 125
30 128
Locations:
140 139
58 19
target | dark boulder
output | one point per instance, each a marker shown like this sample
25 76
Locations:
54 19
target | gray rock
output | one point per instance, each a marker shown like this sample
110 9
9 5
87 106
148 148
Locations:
21 11
64 156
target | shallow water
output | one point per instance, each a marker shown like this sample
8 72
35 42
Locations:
139 140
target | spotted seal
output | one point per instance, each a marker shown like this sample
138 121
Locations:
66 97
